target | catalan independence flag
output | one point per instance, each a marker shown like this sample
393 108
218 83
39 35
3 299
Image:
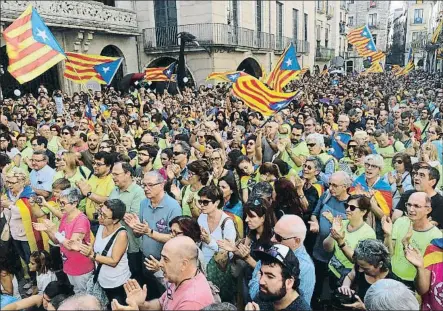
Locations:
395 68
31 47
382 194
257 96
285 70
360 35
375 68
361 38
80 67
223 76
160 73
370 51
409 66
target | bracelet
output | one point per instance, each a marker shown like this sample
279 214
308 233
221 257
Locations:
93 257
152 232
399 186
342 245
301 197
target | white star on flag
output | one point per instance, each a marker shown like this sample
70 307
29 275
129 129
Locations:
168 72
289 62
42 34
106 69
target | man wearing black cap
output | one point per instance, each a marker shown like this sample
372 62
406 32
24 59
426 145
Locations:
279 281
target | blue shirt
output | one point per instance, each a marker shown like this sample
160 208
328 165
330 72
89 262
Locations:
307 276
338 150
42 179
337 208
158 219
236 209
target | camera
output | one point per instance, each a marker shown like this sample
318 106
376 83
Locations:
340 299
36 199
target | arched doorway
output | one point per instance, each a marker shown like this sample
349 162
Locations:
50 79
420 63
113 51
250 66
349 66
166 61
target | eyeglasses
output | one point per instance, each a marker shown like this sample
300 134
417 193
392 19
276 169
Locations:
204 202
38 160
350 206
334 185
144 154
307 166
60 159
311 145
103 147
370 166
98 164
102 215
415 206
66 133
215 159
4 140
397 162
177 153
151 185
63 204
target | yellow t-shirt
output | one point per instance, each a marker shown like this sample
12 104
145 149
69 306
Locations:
76 177
351 239
299 150
100 186
419 240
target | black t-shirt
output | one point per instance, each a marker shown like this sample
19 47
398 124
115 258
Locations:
363 285
436 204
298 304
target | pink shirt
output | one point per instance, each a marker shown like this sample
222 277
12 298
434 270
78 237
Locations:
193 294
74 263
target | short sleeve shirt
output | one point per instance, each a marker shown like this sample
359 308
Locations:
42 179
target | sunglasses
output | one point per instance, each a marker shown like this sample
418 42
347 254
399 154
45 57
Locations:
351 207
352 146
307 166
279 238
176 153
397 161
204 202
66 133
311 145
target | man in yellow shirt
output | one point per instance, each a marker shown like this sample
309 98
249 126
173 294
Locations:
296 151
98 188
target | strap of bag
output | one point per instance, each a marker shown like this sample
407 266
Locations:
105 252
222 226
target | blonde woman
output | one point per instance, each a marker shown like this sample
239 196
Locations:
429 154
69 169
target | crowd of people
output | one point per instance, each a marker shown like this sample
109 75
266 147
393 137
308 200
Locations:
133 199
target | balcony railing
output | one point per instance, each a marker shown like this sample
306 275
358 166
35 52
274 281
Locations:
323 53
416 45
374 26
221 35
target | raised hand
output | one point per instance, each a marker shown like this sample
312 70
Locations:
175 191
135 295
142 228
39 226
337 232
314 226
152 264
386 225
131 220
406 241
227 245
205 236
414 257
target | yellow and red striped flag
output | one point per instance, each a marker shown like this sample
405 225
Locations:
160 73
437 32
31 47
285 70
257 96
223 76
80 67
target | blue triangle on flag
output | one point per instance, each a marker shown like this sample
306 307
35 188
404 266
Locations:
366 33
234 76
290 61
108 70
170 70
42 34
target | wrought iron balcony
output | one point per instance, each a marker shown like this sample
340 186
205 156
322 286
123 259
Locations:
323 53
217 35
300 45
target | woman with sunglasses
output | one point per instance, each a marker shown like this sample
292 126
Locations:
67 167
249 175
400 178
347 162
74 226
114 270
199 175
372 185
344 237
254 150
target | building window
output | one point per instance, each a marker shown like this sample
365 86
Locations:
414 36
165 13
306 27
350 20
318 34
295 24
258 15
280 24
372 4
107 2
418 16
326 37
375 39
372 20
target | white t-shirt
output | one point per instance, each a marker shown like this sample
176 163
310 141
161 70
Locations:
44 279
229 233
15 291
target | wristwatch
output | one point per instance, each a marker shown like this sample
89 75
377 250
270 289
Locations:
95 255
88 194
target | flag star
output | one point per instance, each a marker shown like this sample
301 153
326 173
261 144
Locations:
42 34
289 62
106 69
168 71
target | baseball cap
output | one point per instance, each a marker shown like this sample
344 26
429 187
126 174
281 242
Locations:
261 189
282 254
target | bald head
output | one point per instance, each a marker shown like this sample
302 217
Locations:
81 302
291 226
421 198
182 246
